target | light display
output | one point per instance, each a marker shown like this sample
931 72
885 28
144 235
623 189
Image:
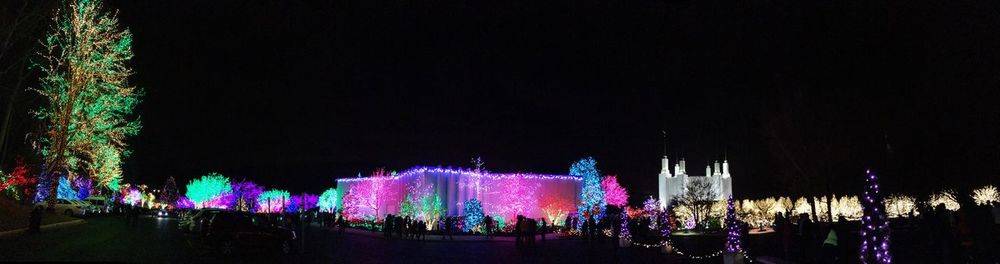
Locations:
83 187
184 203
555 208
874 224
986 195
473 215
591 197
406 207
624 232
209 191
734 243
295 203
17 182
169 193
614 194
66 190
368 197
132 197
946 197
88 105
244 196
272 201
328 201
505 194
900 205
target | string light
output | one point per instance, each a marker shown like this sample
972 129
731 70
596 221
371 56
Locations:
874 225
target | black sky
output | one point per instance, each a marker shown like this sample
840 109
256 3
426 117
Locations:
293 94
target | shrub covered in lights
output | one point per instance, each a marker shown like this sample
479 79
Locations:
986 195
209 190
184 203
65 190
83 187
614 194
132 197
244 196
272 201
473 215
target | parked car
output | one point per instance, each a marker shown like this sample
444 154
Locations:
65 206
229 231
166 213
196 221
87 206
101 203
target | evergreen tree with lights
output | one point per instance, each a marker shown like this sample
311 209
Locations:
473 214
87 112
874 224
592 196
170 193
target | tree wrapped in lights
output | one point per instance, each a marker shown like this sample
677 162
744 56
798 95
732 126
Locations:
406 207
83 187
517 196
555 208
208 190
431 209
17 182
328 201
986 195
874 225
244 196
273 201
88 103
473 215
614 194
65 190
132 196
184 203
734 243
591 197
366 198
169 194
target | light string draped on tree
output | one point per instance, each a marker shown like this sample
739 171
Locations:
734 243
473 215
874 224
592 196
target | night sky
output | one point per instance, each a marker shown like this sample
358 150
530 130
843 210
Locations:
293 94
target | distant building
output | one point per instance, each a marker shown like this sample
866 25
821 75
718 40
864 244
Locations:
673 185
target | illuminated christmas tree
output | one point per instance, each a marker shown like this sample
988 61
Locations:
874 224
473 214
592 197
169 193
87 112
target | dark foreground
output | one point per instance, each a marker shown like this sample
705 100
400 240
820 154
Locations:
157 240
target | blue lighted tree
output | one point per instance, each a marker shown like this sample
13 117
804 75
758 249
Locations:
65 190
592 196
874 225
473 214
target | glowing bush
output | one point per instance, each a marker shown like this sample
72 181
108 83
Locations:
184 203
273 201
132 197
986 195
212 186
473 215
328 200
900 205
946 197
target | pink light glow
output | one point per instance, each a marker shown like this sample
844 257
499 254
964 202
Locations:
614 193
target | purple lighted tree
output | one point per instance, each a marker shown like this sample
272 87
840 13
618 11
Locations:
874 224
733 240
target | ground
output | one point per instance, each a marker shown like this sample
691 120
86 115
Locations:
15 216
108 238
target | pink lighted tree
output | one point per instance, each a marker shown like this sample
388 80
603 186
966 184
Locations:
614 194
517 196
366 197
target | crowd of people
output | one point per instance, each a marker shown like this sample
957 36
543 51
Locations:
404 227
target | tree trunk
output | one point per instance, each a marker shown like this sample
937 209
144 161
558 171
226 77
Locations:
812 206
829 209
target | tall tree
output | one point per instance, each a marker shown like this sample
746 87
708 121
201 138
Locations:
592 197
169 193
874 224
88 109
699 198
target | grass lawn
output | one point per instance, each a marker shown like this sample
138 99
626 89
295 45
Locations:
14 216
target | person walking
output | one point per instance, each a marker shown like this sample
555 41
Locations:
518 230
35 220
543 229
488 226
831 249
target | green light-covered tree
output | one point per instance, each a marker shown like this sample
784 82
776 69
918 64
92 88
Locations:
207 187
88 108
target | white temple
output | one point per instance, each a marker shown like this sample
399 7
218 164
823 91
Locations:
672 185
